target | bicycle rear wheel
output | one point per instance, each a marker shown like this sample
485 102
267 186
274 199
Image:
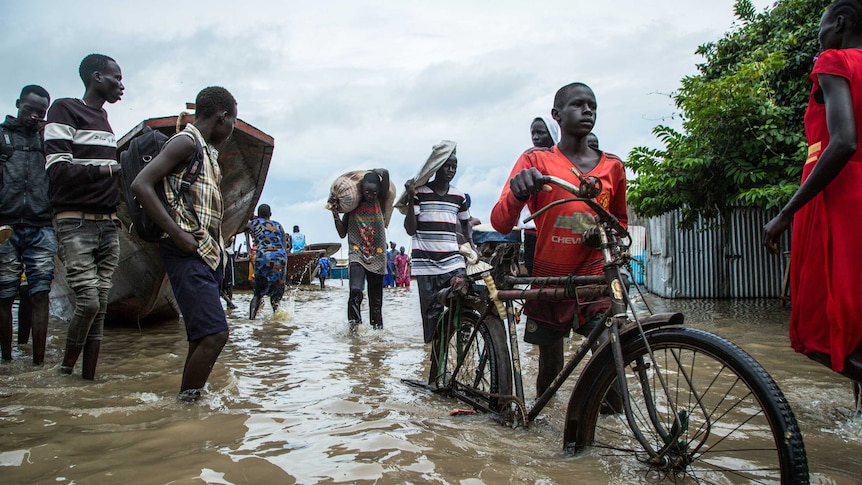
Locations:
734 424
485 371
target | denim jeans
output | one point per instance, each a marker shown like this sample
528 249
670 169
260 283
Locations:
90 251
30 250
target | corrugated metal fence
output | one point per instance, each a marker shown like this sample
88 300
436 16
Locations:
710 261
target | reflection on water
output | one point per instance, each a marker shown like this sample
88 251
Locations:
295 398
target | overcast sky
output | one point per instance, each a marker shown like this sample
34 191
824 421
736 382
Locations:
344 85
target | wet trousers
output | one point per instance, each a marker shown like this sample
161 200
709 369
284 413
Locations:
90 251
358 275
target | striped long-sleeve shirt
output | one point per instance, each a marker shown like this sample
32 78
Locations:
438 220
78 140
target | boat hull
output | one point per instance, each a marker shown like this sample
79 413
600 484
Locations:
328 248
300 268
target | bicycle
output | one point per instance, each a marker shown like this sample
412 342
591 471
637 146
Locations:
684 403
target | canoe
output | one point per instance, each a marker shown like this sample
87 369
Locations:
301 267
329 248
140 288
339 272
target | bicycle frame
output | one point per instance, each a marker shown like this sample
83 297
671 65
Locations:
679 401
616 325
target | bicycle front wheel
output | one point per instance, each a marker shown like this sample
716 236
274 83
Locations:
723 418
485 372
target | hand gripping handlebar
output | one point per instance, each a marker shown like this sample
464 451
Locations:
589 188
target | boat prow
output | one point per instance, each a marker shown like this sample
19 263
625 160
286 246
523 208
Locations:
328 248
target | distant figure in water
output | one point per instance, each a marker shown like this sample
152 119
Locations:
193 254
365 230
323 270
825 322
402 268
297 240
229 275
270 260
389 277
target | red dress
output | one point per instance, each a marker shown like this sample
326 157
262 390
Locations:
826 260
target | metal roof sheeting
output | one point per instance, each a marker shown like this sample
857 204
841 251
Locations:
711 260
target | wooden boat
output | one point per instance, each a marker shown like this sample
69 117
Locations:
140 288
301 266
329 248
339 271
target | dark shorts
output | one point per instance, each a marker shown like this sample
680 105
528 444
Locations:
197 289
538 334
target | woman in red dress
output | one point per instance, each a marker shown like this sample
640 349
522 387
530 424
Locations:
402 268
826 261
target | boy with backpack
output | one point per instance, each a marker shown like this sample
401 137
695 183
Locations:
81 160
192 249
26 211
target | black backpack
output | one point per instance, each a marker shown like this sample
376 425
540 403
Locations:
142 150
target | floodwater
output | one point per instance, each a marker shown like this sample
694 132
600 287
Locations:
295 398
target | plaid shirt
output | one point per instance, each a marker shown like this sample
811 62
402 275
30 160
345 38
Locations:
205 195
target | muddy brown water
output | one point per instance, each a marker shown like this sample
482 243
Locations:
295 398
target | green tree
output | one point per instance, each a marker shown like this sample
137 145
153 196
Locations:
743 140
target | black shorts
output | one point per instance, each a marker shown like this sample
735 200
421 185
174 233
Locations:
537 333
197 289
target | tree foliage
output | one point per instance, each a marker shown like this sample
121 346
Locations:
743 140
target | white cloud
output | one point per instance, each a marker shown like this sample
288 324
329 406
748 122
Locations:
342 85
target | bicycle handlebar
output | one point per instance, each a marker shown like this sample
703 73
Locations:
590 188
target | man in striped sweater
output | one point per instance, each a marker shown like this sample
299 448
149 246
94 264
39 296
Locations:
81 160
437 215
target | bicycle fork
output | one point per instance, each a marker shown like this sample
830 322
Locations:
660 458
619 306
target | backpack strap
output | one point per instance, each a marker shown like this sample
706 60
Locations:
190 174
193 171
6 146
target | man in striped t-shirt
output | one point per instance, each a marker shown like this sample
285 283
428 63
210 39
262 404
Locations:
437 213
81 159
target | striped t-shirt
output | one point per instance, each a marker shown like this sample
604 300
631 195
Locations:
78 140
438 220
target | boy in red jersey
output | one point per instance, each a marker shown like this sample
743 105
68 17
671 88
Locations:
560 248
